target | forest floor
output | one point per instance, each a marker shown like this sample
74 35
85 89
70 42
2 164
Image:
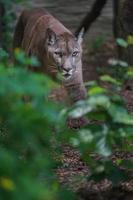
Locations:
72 165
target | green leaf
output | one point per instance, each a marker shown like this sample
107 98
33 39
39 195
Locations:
120 115
3 54
121 42
99 100
81 109
96 90
102 147
130 40
109 79
86 136
130 73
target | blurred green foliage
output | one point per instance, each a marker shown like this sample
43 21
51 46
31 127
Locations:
9 20
118 69
97 43
27 121
111 125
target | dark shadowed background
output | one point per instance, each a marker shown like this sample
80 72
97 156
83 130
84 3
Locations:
71 12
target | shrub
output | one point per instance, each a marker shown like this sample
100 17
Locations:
27 121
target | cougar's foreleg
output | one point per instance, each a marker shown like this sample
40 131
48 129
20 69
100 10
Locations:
76 92
75 86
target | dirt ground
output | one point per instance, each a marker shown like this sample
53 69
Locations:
72 165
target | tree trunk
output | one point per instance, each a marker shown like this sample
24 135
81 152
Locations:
91 16
116 4
125 26
2 13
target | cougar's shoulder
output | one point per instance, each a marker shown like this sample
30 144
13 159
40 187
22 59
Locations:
32 14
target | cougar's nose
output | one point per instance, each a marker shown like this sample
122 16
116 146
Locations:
67 69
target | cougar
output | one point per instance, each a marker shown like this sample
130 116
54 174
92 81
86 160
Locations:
40 34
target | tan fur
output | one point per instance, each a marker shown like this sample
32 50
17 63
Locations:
31 35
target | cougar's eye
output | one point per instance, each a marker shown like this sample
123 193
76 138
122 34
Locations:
58 53
75 53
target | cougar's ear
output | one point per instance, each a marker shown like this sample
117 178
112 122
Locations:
80 36
51 37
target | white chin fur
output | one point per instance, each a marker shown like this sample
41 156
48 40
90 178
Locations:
67 76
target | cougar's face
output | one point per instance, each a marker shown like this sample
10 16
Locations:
65 51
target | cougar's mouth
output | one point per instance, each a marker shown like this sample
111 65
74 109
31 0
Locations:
67 75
